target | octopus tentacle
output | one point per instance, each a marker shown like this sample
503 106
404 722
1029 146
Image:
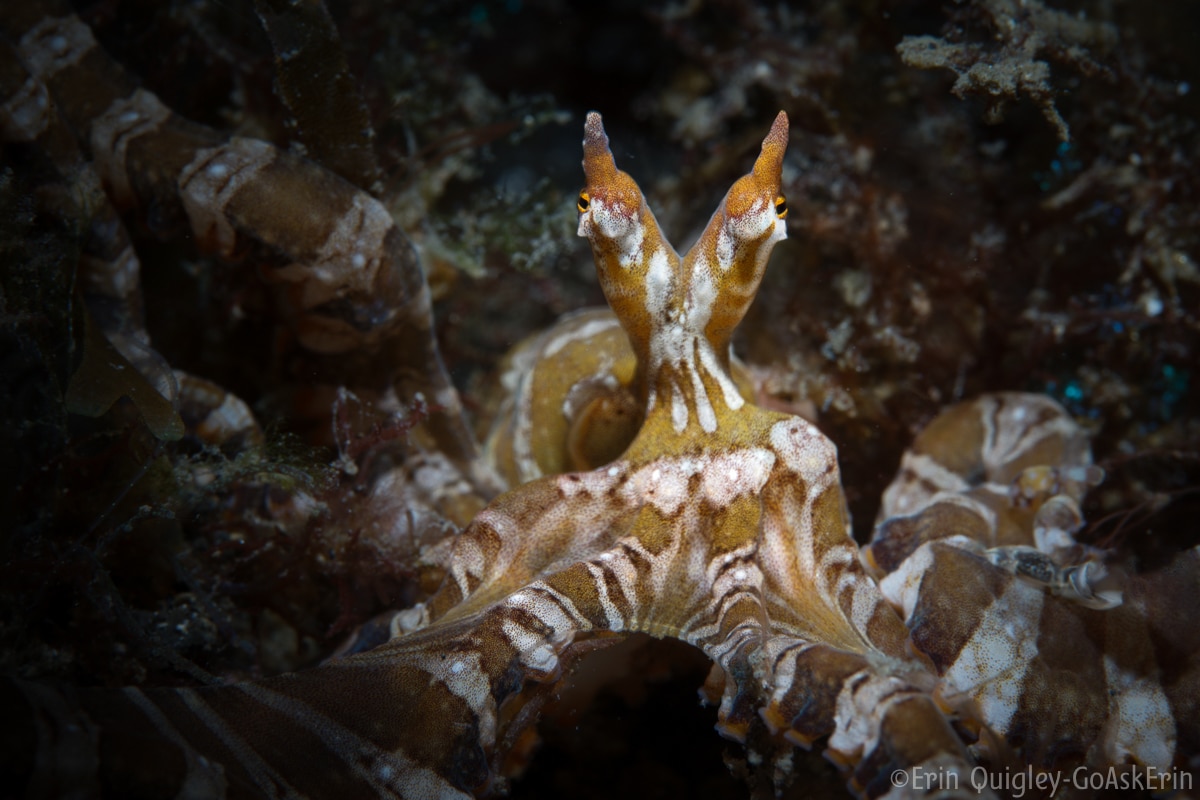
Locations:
975 543
363 313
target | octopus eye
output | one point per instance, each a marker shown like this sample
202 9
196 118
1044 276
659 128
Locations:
781 207
583 202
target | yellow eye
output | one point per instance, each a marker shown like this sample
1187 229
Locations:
584 202
781 206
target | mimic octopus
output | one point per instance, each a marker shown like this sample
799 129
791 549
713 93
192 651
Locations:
723 524
653 495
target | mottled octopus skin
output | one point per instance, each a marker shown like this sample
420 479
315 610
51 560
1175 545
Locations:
722 525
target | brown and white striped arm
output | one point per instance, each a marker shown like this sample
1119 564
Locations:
1062 656
358 301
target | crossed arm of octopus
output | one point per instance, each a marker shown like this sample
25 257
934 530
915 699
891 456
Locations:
973 627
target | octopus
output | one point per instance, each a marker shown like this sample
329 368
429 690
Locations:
651 495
